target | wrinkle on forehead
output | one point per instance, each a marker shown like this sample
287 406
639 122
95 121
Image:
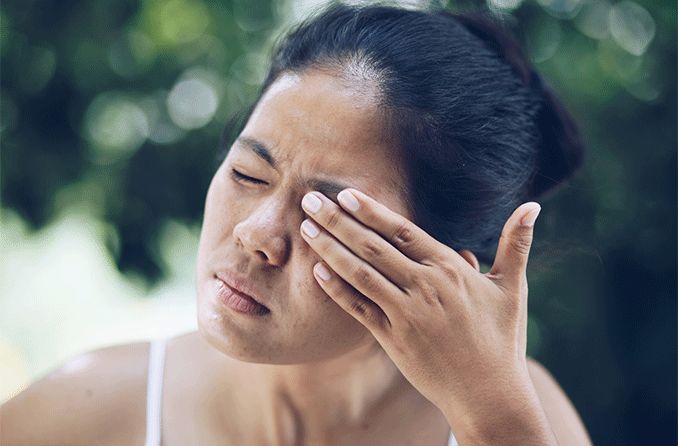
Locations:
334 118
313 111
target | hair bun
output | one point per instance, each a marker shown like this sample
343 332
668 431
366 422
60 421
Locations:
561 151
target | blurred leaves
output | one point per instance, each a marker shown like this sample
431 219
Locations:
116 107
126 100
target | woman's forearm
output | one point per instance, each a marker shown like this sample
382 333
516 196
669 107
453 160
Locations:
509 417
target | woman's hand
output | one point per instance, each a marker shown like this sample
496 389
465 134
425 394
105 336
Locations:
458 335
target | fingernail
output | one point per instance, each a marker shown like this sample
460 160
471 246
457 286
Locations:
322 272
311 203
530 218
309 228
348 200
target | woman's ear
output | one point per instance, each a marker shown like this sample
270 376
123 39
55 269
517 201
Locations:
470 258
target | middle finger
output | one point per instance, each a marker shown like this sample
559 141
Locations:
360 239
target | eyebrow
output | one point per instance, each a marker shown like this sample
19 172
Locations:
326 186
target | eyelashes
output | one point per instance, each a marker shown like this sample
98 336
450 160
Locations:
240 177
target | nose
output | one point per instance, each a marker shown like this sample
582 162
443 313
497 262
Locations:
263 234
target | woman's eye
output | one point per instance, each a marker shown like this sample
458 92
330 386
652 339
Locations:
239 177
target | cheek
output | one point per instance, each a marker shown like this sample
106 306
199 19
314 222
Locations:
326 321
334 332
219 193
218 221
326 332
221 206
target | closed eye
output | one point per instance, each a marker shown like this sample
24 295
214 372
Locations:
240 177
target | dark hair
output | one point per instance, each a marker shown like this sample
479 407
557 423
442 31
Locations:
476 128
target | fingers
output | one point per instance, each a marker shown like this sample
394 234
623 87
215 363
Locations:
510 262
353 270
364 242
354 303
406 236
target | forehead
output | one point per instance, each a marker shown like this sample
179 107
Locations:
318 112
316 125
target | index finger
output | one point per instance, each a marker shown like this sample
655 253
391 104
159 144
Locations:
406 236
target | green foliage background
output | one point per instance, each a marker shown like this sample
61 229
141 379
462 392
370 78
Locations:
95 116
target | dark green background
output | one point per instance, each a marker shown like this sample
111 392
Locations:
603 269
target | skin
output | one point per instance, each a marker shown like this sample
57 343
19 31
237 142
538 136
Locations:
328 364
254 230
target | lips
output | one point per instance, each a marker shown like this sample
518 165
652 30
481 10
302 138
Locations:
242 285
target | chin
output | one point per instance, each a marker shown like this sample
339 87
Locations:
267 339
241 350
265 348
241 337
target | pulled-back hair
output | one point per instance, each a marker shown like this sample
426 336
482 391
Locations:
476 129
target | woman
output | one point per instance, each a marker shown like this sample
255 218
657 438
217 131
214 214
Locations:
358 314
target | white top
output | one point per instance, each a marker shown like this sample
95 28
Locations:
156 362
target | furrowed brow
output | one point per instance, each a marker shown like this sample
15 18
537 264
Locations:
327 187
259 148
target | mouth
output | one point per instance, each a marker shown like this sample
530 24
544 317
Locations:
241 291
238 302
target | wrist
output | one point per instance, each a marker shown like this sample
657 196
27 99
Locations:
502 415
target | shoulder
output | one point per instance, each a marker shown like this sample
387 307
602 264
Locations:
561 413
95 397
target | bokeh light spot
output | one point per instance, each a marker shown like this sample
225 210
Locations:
593 19
504 4
192 103
631 26
562 9
115 126
174 22
132 54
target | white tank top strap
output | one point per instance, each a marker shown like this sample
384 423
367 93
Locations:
156 363
452 441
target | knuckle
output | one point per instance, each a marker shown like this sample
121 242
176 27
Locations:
404 234
451 272
518 243
371 318
417 278
429 293
371 249
332 219
361 308
364 277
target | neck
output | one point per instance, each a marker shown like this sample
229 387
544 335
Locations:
310 403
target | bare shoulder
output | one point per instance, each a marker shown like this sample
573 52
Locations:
561 413
97 397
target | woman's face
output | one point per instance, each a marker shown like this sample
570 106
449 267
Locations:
315 128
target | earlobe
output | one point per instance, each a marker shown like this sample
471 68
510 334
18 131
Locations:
470 258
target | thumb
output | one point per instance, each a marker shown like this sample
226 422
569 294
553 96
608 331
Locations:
513 249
